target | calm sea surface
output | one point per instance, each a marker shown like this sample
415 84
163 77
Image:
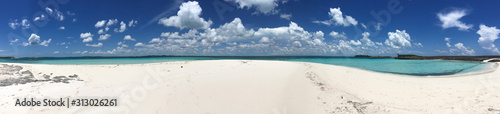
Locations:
385 65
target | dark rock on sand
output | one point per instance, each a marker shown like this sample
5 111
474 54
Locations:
16 76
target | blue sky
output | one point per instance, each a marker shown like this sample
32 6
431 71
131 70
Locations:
246 27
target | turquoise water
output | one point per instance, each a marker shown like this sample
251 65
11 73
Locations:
385 65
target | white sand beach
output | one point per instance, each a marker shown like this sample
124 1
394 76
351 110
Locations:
248 87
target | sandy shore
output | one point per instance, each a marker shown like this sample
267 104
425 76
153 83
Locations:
241 86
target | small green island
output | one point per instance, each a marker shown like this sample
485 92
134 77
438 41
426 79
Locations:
368 56
6 57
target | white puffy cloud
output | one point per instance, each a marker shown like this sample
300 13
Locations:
101 31
104 37
463 50
451 19
14 24
55 13
122 45
128 37
34 40
62 28
263 6
398 39
132 23
448 40
338 35
42 17
13 41
94 45
229 31
25 24
190 34
87 37
233 38
56 52
367 40
45 42
265 40
297 44
123 27
48 10
112 22
155 40
458 48
418 44
100 23
286 16
187 17
356 43
338 19
488 36
139 44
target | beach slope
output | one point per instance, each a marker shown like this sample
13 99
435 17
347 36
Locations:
244 86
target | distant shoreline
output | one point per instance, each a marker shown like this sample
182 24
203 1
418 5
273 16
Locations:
402 57
459 58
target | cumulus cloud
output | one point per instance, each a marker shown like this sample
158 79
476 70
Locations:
132 23
338 19
451 19
104 37
128 37
458 48
155 40
263 6
265 40
41 17
34 40
462 49
55 13
367 40
25 24
94 45
398 39
187 17
46 42
101 31
488 36
448 40
286 16
123 27
139 44
100 23
13 41
112 22
62 28
87 37
14 24
418 44
234 38
338 35
190 34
